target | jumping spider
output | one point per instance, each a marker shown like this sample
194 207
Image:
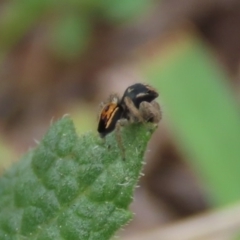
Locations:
139 105
136 105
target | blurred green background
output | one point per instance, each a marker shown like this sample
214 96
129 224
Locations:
65 57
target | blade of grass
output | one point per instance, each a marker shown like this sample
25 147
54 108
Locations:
203 115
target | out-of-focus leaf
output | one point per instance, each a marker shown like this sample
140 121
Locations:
82 6
70 36
17 18
7 155
119 11
202 112
84 117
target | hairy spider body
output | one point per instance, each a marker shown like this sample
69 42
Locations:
111 112
136 105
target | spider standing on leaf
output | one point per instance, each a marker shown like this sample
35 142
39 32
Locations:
136 105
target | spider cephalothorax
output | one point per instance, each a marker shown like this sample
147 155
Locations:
139 93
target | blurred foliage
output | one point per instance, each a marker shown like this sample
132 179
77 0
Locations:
84 119
120 11
237 237
7 155
72 22
17 18
70 36
199 105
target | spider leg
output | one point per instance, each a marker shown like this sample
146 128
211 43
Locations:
151 112
100 108
135 114
119 124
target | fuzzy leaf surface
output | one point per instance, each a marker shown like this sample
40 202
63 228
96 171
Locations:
72 187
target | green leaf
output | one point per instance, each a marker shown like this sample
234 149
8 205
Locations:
70 35
72 187
203 114
7 155
17 18
119 11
